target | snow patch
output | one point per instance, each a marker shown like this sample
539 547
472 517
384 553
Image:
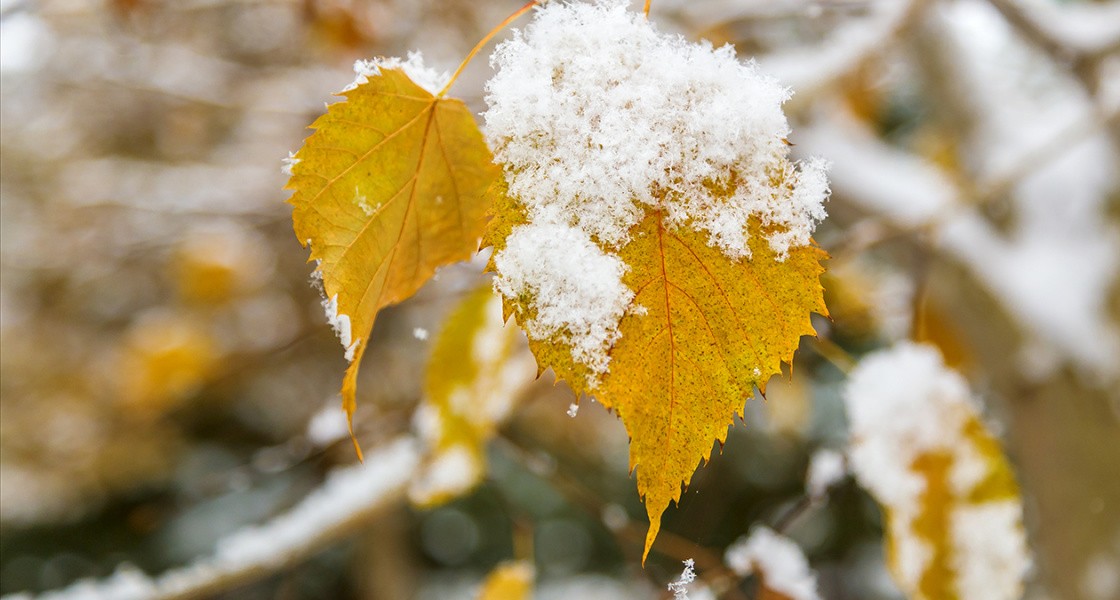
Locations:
578 290
777 560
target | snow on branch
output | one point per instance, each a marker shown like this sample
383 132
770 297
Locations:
812 69
1028 271
1061 29
349 497
777 561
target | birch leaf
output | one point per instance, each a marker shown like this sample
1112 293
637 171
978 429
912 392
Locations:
388 188
710 330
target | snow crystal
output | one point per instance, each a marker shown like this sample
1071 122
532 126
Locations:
680 586
288 163
423 76
573 410
578 288
777 560
826 469
597 116
420 333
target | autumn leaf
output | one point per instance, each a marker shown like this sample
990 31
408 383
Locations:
711 329
715 329
478 368
388 188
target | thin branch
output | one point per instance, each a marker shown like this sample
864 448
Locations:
349 499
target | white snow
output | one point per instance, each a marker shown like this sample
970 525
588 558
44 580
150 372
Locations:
777 560
451 471
990 562
597 116
902 403
578 290
287 163
341 325
826 469
413 66
327 426
420 333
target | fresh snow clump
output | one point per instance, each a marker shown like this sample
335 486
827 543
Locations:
597 116
577 287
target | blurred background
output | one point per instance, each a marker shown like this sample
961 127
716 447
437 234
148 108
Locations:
167 374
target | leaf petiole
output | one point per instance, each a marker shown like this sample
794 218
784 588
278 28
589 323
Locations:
487 38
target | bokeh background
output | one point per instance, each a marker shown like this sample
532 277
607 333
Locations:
167 375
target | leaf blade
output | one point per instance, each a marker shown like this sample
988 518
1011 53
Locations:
389 187
678 375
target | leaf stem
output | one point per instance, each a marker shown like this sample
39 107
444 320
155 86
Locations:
487 38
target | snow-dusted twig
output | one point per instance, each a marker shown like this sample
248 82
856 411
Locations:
350 497
812 70
1065 32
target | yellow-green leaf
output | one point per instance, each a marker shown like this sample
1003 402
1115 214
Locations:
710 330
953 512
388 188
478 368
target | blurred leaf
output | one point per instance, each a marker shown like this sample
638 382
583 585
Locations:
478 369
388 188
167 357
508 581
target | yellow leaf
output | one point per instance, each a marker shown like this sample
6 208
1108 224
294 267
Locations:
478 369
388 188
508 581
714 329
711 330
